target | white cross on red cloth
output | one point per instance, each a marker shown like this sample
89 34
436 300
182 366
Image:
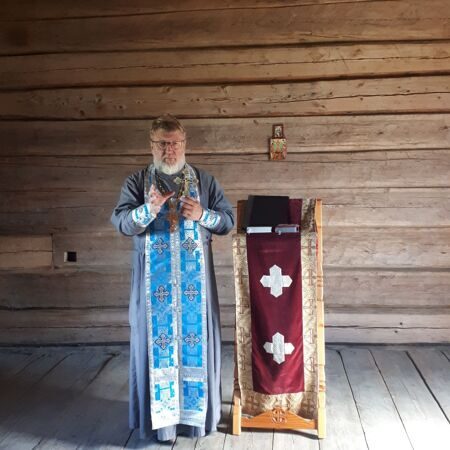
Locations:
278 348
276 281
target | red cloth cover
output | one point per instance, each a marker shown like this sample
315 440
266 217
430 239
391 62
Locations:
282 314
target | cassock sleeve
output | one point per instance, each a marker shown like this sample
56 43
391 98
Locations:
218 217
132 215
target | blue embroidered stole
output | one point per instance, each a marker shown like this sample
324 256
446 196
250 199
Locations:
176 316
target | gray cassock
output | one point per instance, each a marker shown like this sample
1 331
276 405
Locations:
131 197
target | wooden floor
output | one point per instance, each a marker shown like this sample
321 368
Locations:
377 398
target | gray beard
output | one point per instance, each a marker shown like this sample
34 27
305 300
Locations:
169 170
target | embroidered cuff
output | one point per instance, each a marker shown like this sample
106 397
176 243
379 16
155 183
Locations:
210 219
142 215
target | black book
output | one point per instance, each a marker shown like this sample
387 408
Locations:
266 211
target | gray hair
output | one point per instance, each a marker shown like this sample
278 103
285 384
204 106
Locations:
166 122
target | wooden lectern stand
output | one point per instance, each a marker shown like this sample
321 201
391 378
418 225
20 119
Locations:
279 417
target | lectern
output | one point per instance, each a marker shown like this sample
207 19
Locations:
279 378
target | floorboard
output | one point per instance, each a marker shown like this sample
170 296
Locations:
378 397
447 354
86 423
15 393
294 440
250 439
382 425
434 367
12 362
424 422
35 418
141 444
343 422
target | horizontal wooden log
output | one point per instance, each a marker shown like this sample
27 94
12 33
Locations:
111 325
388 325
62 336
11 244
229 136
374 317
25 252
360 96
399 317
93 249
389 207
106 288
374 169
64 9
228 334
363 335
68 211
343 247
65 318
190 66
331 22
386 288
56 212
248 173
110 288
96 335
387 247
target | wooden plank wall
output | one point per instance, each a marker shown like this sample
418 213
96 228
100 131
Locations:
363 90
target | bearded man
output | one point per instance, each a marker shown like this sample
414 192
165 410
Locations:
171 209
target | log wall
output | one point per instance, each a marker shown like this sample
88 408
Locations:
362 87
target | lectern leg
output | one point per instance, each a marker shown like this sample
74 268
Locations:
236 415
321 416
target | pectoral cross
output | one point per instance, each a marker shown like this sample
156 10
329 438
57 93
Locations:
173 215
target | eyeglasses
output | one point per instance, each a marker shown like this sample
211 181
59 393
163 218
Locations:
162 145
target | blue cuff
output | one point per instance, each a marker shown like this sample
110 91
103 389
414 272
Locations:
210 219
143 215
